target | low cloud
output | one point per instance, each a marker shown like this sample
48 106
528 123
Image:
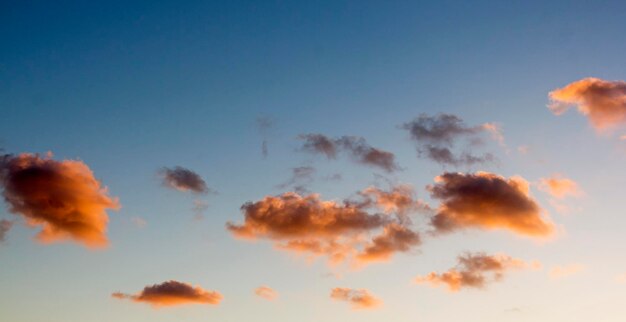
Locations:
62 197
358 298
356 147
602 101
5 226
341 231
474 271
436 136
172 293
487 201
559 186
183 179
266 293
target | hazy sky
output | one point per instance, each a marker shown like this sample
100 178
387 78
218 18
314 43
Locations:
313 161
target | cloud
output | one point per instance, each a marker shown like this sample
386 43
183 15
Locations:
62 197
266 292
341 231
436 136
487 201
474 271
264 124
559 187
5 226
300 178
358 149
172 293
183 179
358 298
603 102
557 272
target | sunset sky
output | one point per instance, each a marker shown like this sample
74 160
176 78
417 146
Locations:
312 161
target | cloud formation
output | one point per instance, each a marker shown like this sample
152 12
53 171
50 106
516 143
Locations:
436 136
487 201
356 147
266 292
344 231
183 179
62 197
559 186
358 298
172 293
602 101
5 226
474 271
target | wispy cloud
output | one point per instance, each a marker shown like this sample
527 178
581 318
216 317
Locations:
183 179
172 293
266 292
358 298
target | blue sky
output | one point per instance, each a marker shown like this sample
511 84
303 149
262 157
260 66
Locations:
129 88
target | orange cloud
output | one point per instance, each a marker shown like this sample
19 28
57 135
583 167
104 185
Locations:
474 271
565 271
603 102
62 197
487 201
340 231
266 292
559 186
358 298
172 293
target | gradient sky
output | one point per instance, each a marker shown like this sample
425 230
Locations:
130 88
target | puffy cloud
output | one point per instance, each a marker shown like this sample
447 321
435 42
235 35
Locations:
62 197
436 136
358 298
557 272
172 293
487 201
358 149
183 179
344 231
474 271
266 292
602 101
5 226
559 187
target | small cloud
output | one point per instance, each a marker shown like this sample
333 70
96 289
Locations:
266 293
172 293
559 186
183 179
558 272
358 298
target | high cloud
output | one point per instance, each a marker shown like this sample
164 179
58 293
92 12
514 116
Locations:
5 226
342 231
437 135
602 101
62 197
266 292
358 149
559 187
183 179
474 271
358 298
487 201
172 293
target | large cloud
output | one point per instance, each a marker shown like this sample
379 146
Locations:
341 231
603 102
474 271
183 179
172 293
5 226
437 135
62 197
358 149
487 201
358 298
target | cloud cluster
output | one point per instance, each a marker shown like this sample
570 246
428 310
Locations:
183 179
559 187
358 149
172 293
437 135
487 201
62 197
5 226
266 292
602 101
358 298
343 231
474 271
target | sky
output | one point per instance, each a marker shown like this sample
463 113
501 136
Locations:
312 161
